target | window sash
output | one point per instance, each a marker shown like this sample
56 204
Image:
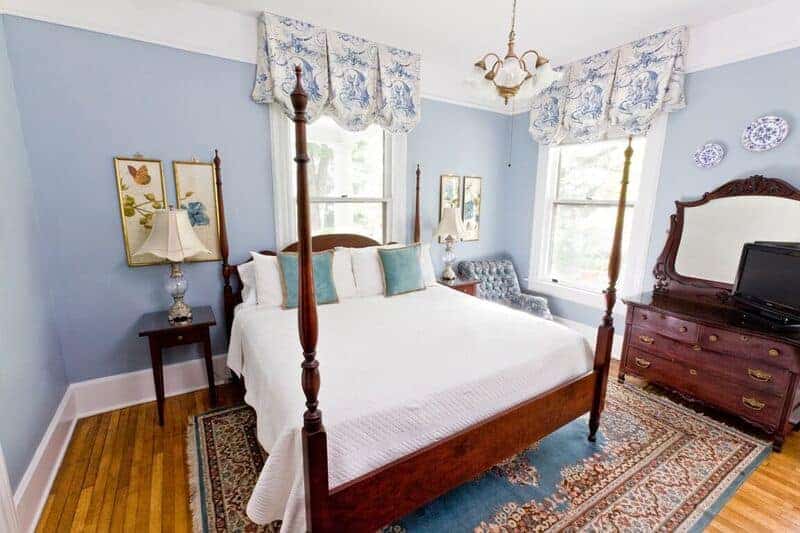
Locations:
395 216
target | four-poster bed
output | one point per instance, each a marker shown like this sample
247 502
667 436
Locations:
383 494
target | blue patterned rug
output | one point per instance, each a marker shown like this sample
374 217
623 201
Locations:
655 466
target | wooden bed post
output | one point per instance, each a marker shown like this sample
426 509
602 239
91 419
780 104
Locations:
416 211
605 333
315 446
227 290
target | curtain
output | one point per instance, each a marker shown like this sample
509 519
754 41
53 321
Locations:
355 81
616 92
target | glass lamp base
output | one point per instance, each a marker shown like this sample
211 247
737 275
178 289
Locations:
176 287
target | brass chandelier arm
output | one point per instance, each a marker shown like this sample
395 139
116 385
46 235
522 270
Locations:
481 63
540 59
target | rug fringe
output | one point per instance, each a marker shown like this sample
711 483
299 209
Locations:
192 465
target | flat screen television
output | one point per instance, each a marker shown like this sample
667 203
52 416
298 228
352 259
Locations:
768 281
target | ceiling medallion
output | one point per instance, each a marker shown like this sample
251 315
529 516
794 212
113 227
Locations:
510 76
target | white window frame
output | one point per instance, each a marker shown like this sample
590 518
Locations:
395 227
641 224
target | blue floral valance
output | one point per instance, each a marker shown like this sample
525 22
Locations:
616 92
355 81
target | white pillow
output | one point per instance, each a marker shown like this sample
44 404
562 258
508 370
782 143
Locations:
343 272
367 270
426 264
247 275
268 280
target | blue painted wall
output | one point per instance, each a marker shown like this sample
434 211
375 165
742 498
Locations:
721 101
32 374
86 97
451 139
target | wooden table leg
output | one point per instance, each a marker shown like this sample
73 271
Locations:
158 376
212 388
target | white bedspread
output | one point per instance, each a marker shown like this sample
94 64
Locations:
397 374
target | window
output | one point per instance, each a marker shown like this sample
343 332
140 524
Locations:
351 180
347 179
575 213
584 208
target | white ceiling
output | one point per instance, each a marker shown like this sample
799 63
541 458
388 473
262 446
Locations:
452 34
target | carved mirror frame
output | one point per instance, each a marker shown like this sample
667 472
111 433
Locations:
668 280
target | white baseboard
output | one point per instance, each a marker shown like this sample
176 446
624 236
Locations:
87 398
32 491
590 334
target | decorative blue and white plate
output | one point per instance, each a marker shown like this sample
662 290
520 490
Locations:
709 155
765 133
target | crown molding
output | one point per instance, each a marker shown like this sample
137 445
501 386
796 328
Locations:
200 28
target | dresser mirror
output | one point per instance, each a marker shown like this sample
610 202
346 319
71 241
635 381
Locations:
701 255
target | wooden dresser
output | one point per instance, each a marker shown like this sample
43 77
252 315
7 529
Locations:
688 336
699 351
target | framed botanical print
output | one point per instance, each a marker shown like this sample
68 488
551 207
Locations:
471 208
141 192
449 193
196 191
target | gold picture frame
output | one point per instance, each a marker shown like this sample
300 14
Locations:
140 191
450 193
471 207
196 191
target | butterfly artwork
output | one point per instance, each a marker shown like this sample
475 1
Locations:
140 175
141 192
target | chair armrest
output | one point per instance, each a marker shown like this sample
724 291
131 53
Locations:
530 303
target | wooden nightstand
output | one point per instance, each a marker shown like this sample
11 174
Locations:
162 334
467 286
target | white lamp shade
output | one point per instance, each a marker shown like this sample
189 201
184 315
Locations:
451 224
172 237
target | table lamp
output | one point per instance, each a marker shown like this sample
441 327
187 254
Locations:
172 238
451 229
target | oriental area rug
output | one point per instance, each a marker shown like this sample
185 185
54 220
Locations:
656 466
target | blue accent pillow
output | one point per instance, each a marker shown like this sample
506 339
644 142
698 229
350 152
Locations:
324 287
402 272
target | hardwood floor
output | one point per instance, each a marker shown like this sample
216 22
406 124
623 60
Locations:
122 472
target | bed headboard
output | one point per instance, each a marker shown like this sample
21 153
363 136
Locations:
232 284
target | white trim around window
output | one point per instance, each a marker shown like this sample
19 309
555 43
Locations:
283 171
641 225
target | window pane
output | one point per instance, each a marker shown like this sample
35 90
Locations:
344 163
594 170
361 218
581 244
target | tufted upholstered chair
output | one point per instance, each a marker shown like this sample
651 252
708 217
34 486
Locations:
499 283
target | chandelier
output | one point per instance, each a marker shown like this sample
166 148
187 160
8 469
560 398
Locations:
511 76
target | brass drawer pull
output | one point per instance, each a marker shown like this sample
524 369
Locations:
646 339
713 338
644 363
752 403
745 338
683 329
697 348
774 352
759 375
692 371
180 337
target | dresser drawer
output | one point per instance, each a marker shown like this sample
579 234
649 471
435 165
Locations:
748 402
666 325
654 341
750 373
760 348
